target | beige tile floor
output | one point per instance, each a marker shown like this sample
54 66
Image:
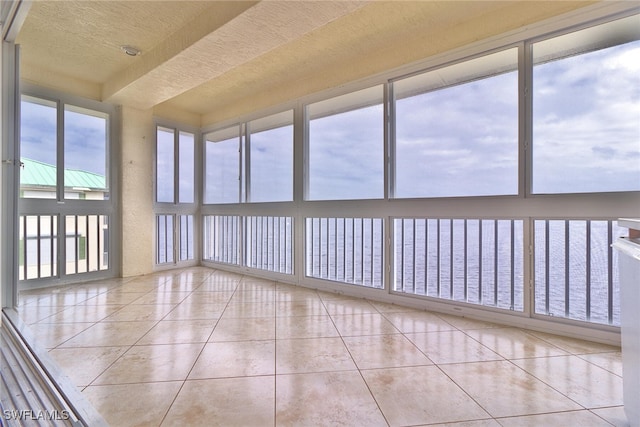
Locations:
205 347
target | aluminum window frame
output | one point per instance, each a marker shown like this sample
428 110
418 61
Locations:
63 207
529 64
177 209
439 65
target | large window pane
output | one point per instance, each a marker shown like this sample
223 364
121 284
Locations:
346 147
38 132
457 129
164 165
222 166
271 158
586 110
186 165
85 154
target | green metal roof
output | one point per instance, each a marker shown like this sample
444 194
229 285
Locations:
39 174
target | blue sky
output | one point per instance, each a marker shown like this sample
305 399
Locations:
587 122
85 137
165 172
345 155
38 132
457 141
272 165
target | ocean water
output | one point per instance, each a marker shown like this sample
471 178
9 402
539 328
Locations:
477 261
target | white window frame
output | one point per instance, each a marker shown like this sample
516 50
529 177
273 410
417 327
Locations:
176 209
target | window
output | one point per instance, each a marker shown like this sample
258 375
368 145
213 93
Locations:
457 129
175 157
586 105
222 166
186 165
271 158
65 153
85 154
84 145
164 166
346 147
38 148
175 184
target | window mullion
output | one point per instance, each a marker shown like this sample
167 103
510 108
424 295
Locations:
60 152
390 146
176 166
247 162
525 83
240 164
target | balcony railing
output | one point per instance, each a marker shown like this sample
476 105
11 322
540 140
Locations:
348 250
164 239
221 238
269 243
478 261
38 246
86 245
463 260
575 274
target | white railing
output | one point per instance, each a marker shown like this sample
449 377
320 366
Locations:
462 260
269 243
185 238
86 240
478 261
575 269
164 239
86 245
221 235
38 246
348 250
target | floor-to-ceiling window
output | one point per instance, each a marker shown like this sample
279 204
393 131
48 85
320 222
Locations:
67 187
175 197
585 139
248 171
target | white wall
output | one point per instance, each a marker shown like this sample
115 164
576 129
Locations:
138 138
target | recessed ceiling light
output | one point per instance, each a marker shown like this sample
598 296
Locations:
130 50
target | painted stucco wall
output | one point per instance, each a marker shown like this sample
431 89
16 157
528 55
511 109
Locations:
137 140
421 38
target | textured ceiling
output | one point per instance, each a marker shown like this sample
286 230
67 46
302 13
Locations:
201 56
82 39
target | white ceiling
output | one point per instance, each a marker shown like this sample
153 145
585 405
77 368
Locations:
199 55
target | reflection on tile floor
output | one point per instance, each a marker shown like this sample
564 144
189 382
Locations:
206 347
